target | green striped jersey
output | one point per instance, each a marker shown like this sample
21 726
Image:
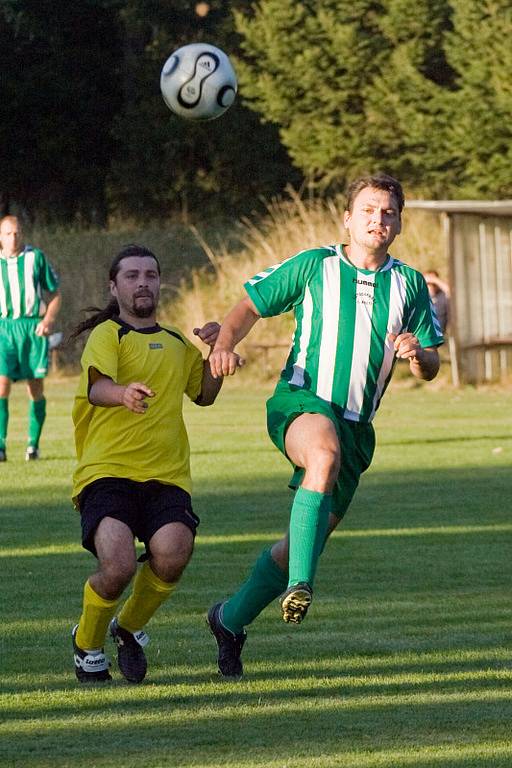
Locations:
23 278
340 348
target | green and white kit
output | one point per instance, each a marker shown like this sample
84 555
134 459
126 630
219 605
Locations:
341 351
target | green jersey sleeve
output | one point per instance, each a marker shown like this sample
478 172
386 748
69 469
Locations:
280 288
423 322
48 278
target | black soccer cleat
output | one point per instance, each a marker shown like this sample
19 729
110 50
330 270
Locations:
3 454
32 453
90 666
130 654
229 644
295 602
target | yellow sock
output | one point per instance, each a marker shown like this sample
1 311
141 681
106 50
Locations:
96 615
148 594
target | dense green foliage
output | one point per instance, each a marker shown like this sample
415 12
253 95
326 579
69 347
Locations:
85 132
420 89
403 660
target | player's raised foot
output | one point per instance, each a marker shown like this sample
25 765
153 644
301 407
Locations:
90 666
130 652
229 645
32 453
3 454
295 602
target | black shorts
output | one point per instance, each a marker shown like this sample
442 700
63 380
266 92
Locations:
143 507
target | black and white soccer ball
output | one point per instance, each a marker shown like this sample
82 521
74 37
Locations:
198 82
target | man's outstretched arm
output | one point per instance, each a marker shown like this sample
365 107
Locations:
224 360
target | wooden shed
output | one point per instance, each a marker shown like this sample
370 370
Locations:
478 247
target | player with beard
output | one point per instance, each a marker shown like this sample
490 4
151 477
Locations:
133 474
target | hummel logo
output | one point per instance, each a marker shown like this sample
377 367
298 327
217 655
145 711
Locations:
363 282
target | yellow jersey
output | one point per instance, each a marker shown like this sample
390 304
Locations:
115 442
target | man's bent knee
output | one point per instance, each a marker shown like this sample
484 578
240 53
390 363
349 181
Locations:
112 577
322 468
171 548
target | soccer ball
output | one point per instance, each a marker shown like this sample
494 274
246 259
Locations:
198 82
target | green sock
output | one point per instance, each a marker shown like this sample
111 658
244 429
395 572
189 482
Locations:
4 420
309 521
36 417
266 582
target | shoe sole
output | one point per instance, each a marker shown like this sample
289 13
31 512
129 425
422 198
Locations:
88 678
295 606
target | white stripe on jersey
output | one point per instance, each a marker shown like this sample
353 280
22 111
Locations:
330 324
3 300
395 325
270 270
361 349
300 365
14 285
30 294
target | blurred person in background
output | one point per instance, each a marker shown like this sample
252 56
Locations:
26 321
439 292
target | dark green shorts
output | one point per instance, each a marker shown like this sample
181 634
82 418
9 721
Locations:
23 355
357 440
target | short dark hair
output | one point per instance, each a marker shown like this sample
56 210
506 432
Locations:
112 308
376 181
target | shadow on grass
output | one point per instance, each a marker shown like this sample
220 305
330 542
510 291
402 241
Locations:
405 645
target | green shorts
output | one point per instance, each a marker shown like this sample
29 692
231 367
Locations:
357 440
23 355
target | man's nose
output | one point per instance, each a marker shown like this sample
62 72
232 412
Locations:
377 215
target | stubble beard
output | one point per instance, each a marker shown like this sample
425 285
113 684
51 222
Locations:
143 311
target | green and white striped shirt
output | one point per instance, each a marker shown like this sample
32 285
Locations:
23 278
340 348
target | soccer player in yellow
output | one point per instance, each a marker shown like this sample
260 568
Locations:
133 475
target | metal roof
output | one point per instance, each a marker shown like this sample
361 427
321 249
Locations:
483 207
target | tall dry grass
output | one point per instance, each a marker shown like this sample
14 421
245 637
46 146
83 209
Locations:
204 271
289 226
82 259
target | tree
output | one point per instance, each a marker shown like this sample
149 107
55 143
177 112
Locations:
58 62
480 110
164 165
406 105
421 90
306 67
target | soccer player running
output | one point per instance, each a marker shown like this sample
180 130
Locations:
133 473
25 274
357 309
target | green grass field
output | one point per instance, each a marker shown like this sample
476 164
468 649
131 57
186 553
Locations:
404 660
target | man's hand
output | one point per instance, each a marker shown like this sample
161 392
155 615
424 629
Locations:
224 363
423 361
406 345
44 327
208 333
134 397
